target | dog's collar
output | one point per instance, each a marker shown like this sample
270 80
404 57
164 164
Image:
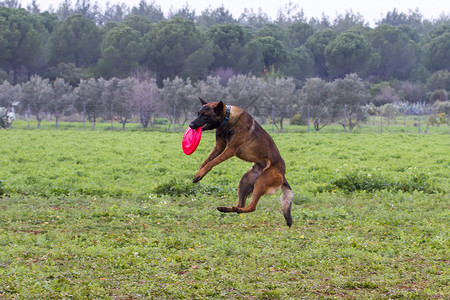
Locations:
227 116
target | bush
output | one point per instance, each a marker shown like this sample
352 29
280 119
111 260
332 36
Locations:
440 95
297 120
6 118
161 121
412 180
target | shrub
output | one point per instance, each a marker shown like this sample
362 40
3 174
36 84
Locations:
297 120
440 95
412 180
6 118
161 121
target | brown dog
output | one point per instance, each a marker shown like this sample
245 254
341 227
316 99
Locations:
238 134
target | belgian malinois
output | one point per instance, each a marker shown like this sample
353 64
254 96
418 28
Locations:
238 134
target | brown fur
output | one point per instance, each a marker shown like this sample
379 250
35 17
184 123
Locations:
243 137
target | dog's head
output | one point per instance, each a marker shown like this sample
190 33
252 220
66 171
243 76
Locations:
210 115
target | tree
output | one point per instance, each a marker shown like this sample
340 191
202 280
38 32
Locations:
282 94
317 44
36 95
290 14
348 53
20 36
437 52
348 21
398 53
169 44
61 97
10 95
389 111
253 20
68 72
75 40
265 52
197 63
298 33
145 98
211 89
245 91
178 99
347 97
117 99
139 23
274 31
300 63
122 51
211 17
151 11
64 9
439 80
114 13
39 62
228 41
314 99
88 97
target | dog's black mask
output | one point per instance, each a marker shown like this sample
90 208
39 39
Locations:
209 117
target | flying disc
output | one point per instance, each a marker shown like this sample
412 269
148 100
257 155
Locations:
191 139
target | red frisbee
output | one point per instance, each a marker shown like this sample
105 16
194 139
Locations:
191 139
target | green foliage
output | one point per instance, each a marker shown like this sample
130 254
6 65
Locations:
297 120
175 188
122 50
413 180
21 36
398 52
439 80
76 40
349 53
169 44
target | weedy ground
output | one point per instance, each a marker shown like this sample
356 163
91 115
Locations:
113 215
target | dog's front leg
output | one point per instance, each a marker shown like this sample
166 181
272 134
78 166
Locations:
218 149
226 154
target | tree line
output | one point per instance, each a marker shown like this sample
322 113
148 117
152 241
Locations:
84 41
348 101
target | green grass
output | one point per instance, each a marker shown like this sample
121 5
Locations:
110 214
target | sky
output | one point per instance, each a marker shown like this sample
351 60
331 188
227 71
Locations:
372 11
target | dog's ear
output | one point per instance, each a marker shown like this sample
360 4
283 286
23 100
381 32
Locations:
202 101
220 108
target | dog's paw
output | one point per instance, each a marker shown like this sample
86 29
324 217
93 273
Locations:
200 174
197 179
228 209
222 209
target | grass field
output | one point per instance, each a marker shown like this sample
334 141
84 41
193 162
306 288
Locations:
113 215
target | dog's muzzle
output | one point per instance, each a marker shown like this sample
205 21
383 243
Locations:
194 125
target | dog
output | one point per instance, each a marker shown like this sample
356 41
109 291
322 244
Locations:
238 134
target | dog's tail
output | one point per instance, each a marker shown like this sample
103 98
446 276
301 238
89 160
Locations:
286 202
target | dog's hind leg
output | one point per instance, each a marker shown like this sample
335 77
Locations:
267 183
247 184
246 187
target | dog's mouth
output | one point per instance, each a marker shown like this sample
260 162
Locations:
195 126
